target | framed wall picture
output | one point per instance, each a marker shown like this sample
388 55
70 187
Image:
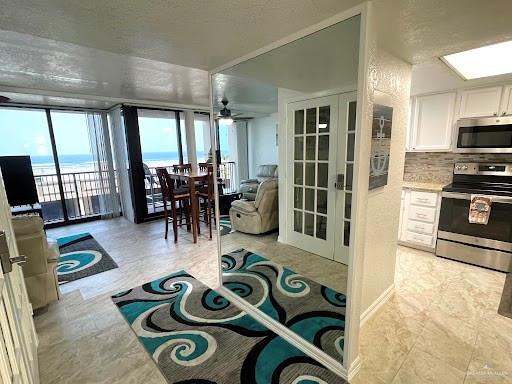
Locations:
381 143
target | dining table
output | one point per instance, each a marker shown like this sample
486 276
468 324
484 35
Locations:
193 179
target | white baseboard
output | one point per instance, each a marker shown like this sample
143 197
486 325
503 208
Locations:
354 368
291 337
375 306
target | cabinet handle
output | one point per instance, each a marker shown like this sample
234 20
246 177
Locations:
495 114
422 215
422 199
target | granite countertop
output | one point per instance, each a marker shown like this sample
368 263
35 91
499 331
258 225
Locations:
431 187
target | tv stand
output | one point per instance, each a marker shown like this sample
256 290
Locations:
27 209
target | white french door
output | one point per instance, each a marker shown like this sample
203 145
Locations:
312 170
345 168
320 166
18 340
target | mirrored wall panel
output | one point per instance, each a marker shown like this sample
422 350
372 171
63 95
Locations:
285 124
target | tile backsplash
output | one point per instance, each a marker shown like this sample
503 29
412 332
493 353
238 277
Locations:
437 167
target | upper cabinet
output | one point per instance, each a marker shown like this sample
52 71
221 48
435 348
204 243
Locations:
506 101
431 122
480 102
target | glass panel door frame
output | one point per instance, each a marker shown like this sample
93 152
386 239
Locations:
346 166
309 224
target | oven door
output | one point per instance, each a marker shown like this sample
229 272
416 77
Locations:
486 135
453 219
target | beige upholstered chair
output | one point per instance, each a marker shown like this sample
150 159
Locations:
42 256
249 187
260 215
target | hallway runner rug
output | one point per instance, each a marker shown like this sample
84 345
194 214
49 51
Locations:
81 256
197 336
313 311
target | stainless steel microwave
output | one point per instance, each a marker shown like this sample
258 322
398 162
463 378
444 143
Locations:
484 135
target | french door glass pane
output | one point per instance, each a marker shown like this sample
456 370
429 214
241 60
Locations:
349 177
352 116
297 221
299 122
297 200
311 120
323 171
310 174
348 205
309 199
309 224
346 233
80 181
323 147
299 148
350 146
321 227
324 117
298 173
24 132
310 147
321 201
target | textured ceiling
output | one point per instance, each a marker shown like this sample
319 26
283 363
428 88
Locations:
197 33
146 50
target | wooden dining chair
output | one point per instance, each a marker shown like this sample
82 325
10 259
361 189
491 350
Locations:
186 168
206 194
171 196
203 167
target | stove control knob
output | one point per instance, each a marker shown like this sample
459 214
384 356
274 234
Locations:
464 167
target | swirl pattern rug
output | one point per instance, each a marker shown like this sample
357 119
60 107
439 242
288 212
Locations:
195 335
225 225
81 256
313 311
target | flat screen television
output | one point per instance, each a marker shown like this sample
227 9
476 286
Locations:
19 181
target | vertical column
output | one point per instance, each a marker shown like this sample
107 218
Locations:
191 139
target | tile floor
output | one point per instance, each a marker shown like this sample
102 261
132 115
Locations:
440 326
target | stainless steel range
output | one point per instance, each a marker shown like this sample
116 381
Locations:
487 245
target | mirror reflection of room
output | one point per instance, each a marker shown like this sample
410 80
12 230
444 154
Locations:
285 122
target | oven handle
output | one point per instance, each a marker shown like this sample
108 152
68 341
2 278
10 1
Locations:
467 196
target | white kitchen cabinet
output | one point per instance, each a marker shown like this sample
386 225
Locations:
432 122
480 102
419 219
506 101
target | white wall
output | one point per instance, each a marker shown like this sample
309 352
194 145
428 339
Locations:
380 224
262 144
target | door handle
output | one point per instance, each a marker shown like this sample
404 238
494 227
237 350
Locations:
339 184
5 258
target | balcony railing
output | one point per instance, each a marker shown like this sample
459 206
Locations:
82 194
227 179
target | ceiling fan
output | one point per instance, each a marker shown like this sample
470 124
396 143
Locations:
225 113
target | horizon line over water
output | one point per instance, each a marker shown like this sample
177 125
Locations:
43 164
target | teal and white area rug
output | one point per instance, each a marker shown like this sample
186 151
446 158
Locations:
311 310
81 256
197 336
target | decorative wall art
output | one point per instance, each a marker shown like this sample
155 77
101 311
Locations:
381 143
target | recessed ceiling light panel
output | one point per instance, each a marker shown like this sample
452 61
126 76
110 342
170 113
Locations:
491 60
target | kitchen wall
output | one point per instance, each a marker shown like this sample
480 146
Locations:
437 167
392 76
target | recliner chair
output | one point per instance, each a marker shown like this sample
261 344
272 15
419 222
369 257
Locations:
260 215
42 257
249 187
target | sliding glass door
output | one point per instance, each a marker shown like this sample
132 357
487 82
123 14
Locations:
69 182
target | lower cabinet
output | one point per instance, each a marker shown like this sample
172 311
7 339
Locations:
419 218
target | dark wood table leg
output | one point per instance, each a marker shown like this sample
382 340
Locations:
195 210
